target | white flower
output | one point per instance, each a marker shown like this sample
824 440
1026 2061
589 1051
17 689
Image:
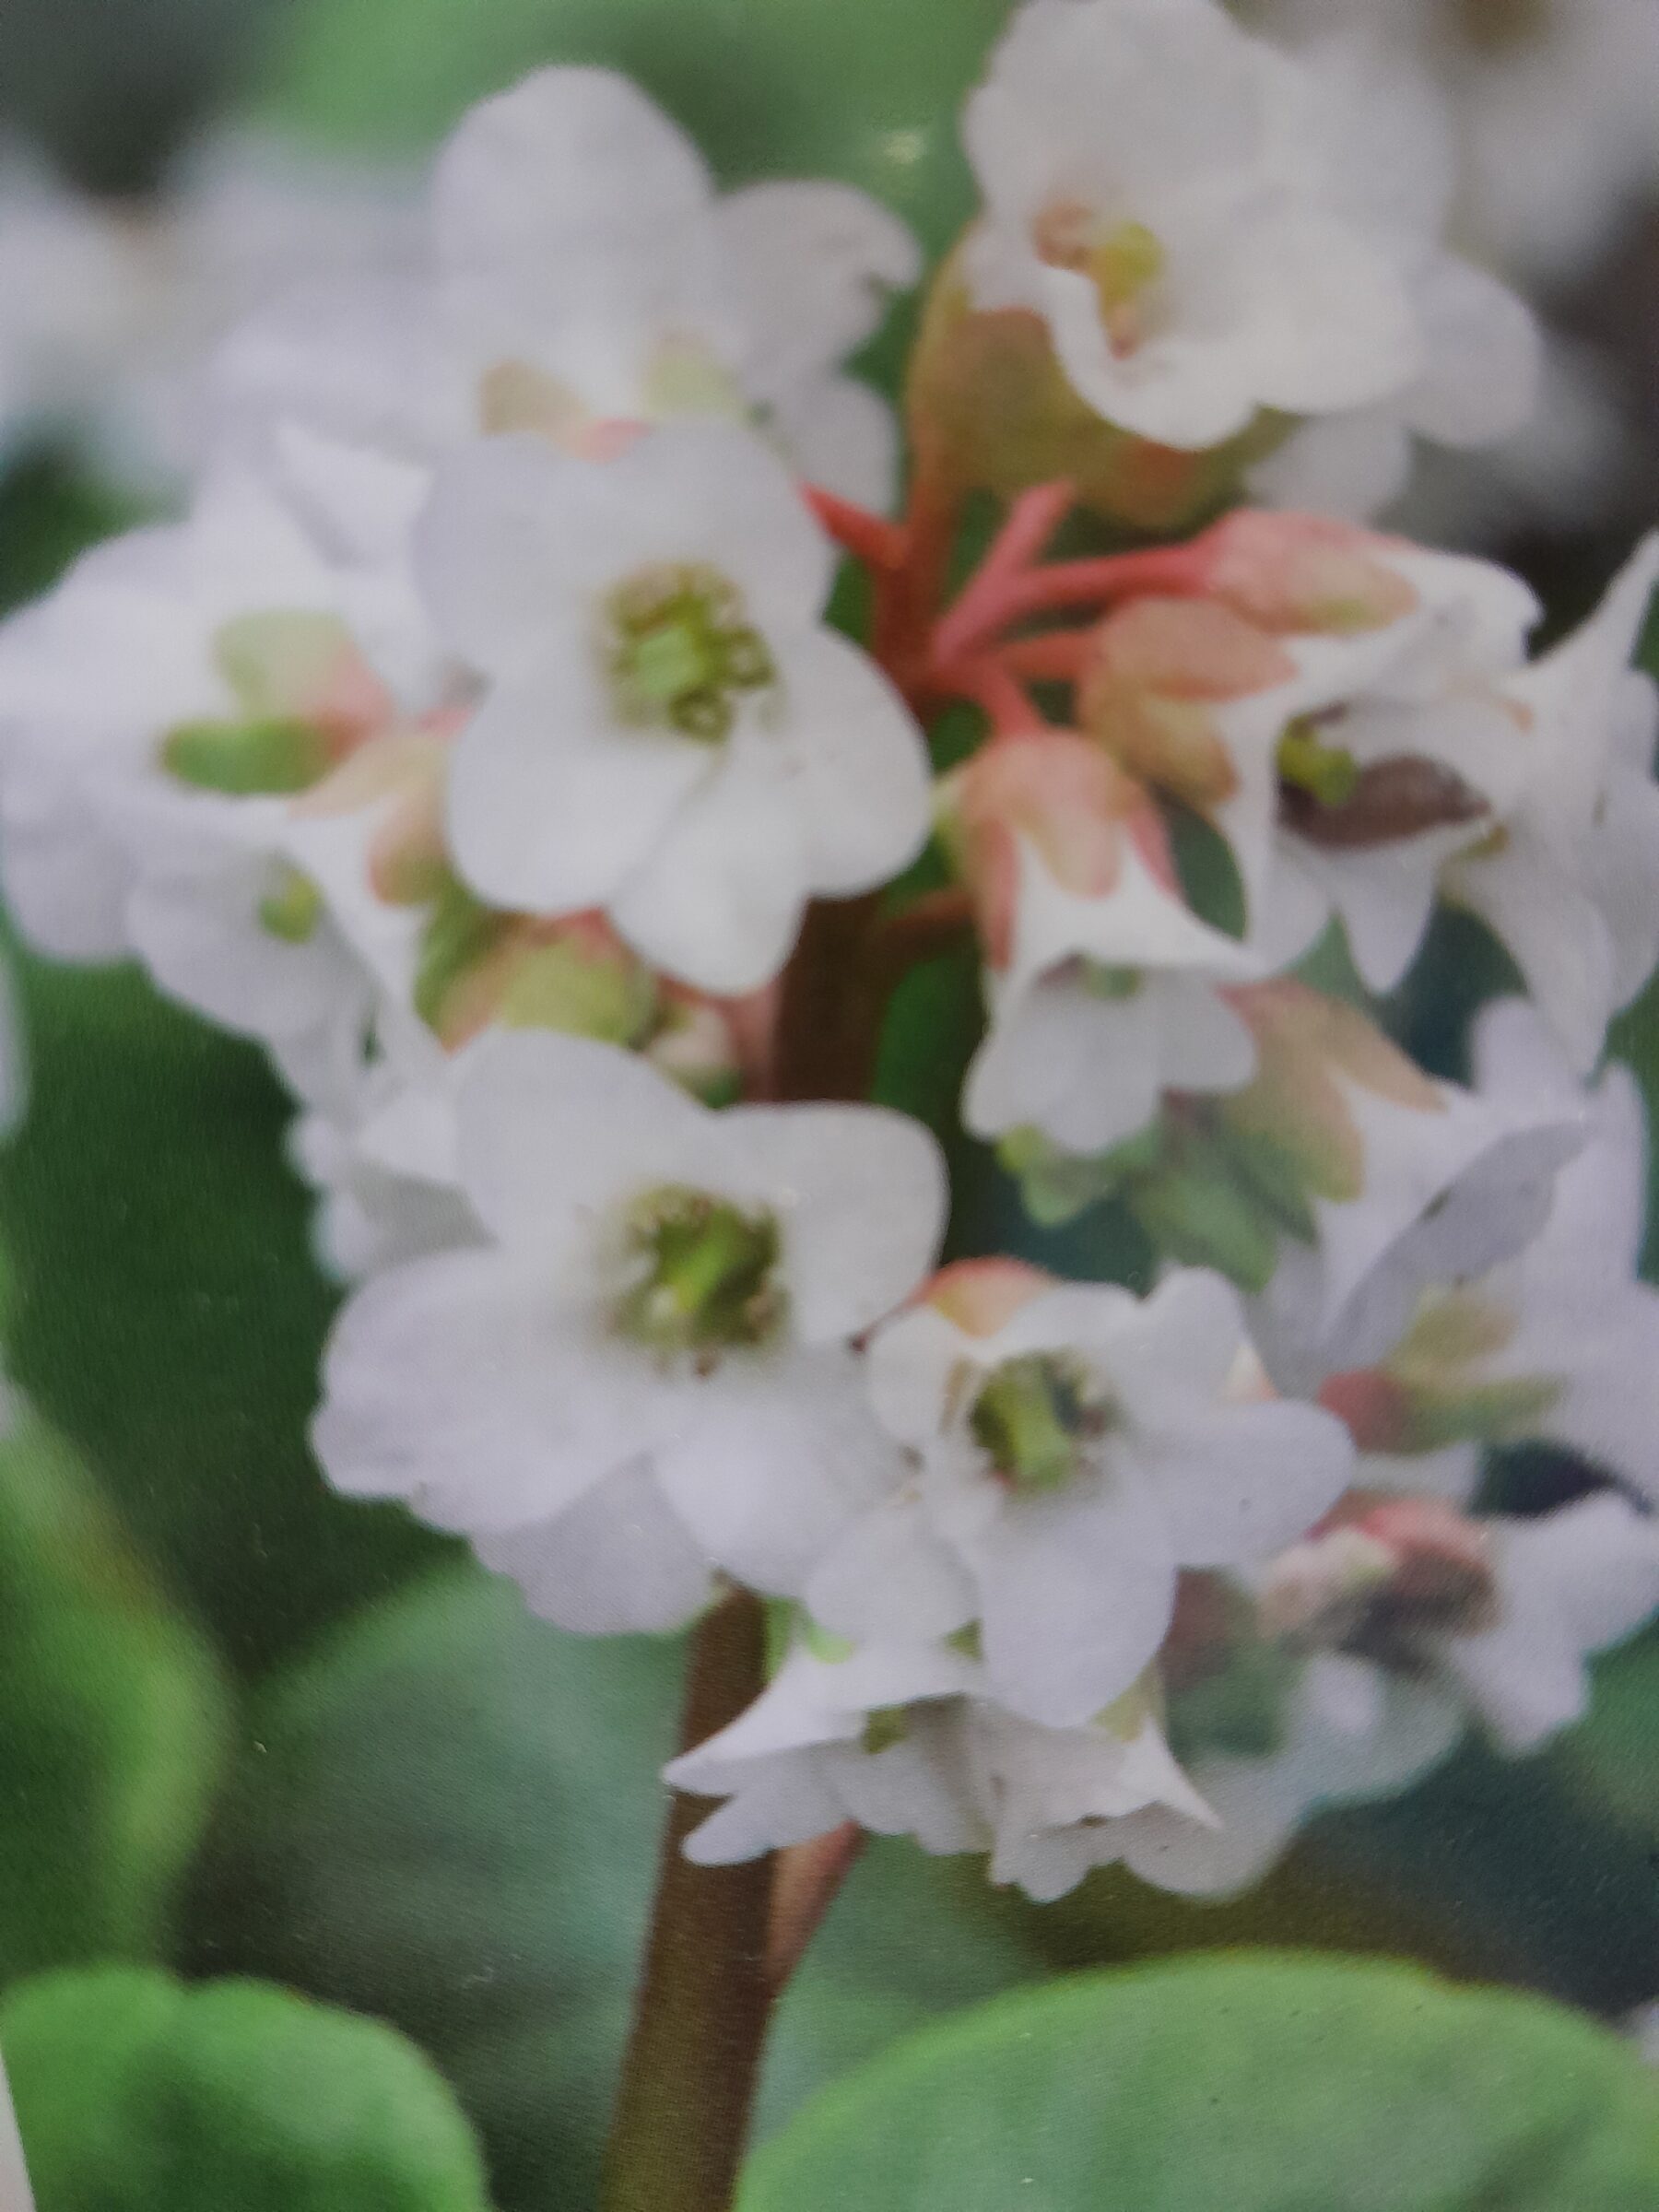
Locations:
1562 1344
111 311
1563 470
1406 1182
180 714
1103 987
672 733
1154 189
1571 880
895 1738
866 1736
663 1283
1377 1640
73 292
1569 1584
380 1154
1072 1446
1061 1802
1346 1733
1379 140
1551 106
1336 704
585 275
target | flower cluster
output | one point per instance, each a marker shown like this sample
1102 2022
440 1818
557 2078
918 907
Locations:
482 744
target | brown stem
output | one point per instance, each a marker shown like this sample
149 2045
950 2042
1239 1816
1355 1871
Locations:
699 2022
830 1019
808 1880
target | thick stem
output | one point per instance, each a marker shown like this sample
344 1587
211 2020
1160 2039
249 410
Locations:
830 1019
907 601
687 2083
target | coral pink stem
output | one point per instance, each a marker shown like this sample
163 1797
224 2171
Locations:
1030 523
997 691
880 544
1167 570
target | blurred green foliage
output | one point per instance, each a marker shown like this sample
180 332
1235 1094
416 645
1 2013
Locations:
862 90
167 1312
135 2094
114 1723
1262 2084
448 1816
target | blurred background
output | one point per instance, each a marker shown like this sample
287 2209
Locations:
317 1744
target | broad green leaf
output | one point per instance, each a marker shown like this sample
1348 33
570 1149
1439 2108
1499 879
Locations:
449 1817
112 1723
136 2093
1257 2083
862 90
168 1313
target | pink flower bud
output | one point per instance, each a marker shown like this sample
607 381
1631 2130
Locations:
1063 799
980 1297
1158 670
1290 573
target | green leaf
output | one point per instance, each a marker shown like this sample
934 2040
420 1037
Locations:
450 1818
137 2094
168 1313
861 89
1257 2083
112 1723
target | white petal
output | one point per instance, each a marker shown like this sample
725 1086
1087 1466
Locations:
814 263
775 1463
909 1364
717 900
1484 356
1334 324
860 775
840 435
861 1193
1351 465
1076 1592
616 1562
565 150
553 803
890 1577
1243 1482
461 1383
553 1130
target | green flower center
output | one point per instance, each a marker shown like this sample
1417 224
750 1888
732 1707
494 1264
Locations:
681 653
1328 773
291 909
704 1275
1102 980
1037 1419
1123 261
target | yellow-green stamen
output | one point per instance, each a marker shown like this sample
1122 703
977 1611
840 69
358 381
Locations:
1035 1419
680 652
292 909
706 1275
1328 773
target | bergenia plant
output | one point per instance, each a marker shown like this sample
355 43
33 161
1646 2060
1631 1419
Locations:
568 718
